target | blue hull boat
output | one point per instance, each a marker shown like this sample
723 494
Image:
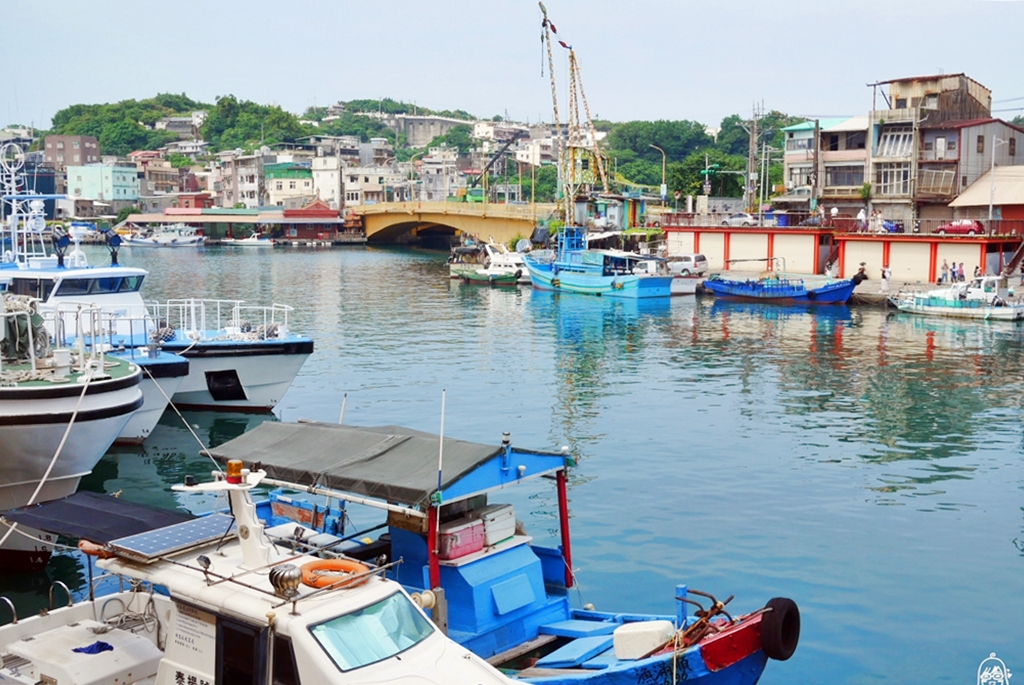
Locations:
611 273
491 588
780 290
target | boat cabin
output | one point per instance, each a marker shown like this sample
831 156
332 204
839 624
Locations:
499 587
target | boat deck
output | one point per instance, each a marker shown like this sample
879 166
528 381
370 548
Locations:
16 375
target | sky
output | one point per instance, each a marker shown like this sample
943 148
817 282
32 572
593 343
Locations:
639 60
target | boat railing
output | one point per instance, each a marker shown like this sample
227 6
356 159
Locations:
97 327
197 316
14 612
7 316
67 593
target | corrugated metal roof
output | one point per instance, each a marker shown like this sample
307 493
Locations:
1007 182
851 124
809 124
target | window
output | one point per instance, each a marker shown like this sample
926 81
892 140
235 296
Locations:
291 185
279 185
896 141
929 145
60 145
951 145
833 142
981 144
892 179
901 103
852 175
1012 147
373 633
75 144
855 140
77 158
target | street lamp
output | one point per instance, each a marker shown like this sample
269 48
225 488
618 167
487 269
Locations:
996 142
412 168
664 188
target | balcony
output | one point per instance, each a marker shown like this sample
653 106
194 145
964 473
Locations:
894 116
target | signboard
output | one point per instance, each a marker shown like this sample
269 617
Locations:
664 191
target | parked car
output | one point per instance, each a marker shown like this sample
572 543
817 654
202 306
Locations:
961 227
811 221
740 219
688 265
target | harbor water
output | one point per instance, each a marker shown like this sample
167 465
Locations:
864 463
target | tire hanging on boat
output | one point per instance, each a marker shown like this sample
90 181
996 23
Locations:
780 628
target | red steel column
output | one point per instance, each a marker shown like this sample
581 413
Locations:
433 532
563 523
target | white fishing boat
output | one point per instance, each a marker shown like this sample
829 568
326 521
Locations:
240 606
983 297
254 240
60 410
241 357
494 260
173 235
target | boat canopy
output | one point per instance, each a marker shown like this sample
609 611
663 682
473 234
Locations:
94 517
390 463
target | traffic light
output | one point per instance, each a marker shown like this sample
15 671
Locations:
710 171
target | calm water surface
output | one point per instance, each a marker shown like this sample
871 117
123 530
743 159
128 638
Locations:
866 464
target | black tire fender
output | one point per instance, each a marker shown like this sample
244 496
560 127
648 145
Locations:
811 295
780 628
519 274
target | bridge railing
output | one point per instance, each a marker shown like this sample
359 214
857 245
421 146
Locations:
495 210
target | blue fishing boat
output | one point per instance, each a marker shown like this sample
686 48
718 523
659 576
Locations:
489 586
773 286
574 268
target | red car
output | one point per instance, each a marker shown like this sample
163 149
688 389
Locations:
961 227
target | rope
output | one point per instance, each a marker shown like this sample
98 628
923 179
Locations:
205 450
60 448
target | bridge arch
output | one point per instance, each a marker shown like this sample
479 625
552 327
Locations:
388 222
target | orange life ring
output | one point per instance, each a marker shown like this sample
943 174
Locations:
323 573
95 550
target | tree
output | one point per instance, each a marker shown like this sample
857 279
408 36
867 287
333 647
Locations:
126 212
676 138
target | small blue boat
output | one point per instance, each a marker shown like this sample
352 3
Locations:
574 268
490 587
780 290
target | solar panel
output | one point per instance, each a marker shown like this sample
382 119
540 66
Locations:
150 546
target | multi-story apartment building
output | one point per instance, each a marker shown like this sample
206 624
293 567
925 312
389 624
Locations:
241 179
115 185
287 181
327 180
60 152
372 184
439 174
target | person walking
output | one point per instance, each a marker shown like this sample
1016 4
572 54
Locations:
960 274
945 273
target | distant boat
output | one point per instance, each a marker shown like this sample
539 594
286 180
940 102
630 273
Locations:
254 240
174 235
985 297
496 260
775 287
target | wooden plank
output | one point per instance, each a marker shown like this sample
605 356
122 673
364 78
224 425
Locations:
525 648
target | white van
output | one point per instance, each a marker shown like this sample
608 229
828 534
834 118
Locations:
688 264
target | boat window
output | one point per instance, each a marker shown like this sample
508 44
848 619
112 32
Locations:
106 285
241 653
70 287
31 287
285 672
130 284
373 633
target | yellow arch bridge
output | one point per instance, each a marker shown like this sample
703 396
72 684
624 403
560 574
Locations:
388 222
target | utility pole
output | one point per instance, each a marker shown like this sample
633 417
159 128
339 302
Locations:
751 158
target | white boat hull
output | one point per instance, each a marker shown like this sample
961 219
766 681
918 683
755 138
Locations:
981 312
684 285
253 382
155 394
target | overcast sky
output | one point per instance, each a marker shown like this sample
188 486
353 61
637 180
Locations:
640 59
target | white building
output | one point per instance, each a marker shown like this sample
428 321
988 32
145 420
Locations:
440 174
327 180
367 185
241 179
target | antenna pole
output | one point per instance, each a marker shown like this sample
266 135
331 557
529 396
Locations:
344 399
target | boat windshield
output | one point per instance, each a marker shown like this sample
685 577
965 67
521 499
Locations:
373 633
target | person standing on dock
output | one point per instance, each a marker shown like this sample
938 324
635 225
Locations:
960 273
945 272
886 277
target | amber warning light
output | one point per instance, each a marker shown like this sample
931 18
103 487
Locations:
235 471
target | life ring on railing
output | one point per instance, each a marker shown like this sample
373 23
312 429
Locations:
95 550
324 573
